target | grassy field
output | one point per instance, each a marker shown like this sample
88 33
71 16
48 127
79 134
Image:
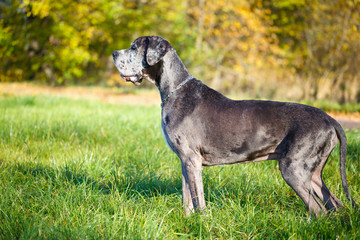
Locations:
83 169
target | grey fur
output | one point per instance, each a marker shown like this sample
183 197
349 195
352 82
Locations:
204 128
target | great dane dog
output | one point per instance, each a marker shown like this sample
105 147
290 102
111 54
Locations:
205 128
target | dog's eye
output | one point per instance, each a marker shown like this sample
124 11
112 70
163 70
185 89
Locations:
133 47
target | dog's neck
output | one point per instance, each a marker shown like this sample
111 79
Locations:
173 74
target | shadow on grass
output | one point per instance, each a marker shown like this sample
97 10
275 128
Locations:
136 184
147 185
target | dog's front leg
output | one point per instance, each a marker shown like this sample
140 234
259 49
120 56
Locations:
186 194
192 184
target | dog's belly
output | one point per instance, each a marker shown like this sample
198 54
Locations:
223 144
219 156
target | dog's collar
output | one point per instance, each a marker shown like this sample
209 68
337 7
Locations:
177 88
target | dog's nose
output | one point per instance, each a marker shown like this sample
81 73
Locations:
115 54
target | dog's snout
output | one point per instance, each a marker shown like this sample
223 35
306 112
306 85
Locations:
115 54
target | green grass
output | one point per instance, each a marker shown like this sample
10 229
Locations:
76 169
331 106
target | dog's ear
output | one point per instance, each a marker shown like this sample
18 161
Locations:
156 49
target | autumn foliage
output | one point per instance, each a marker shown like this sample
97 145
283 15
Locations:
297 49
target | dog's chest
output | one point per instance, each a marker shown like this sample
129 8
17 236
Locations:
166 137
165 121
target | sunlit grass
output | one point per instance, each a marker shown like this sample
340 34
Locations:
82 169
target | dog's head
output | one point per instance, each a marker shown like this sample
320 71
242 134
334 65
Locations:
138 62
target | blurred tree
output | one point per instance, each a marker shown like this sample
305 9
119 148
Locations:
231 35
69 41
50 40
332 45
267 48
321 39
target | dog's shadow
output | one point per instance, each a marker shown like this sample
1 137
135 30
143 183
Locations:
146 185
133 183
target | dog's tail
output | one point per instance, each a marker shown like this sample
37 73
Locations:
343 149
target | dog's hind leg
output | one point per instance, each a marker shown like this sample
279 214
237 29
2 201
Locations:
327 197
300 182
330 201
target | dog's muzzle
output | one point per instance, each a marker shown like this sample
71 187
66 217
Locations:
134 79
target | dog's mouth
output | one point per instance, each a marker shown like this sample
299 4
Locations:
135 79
